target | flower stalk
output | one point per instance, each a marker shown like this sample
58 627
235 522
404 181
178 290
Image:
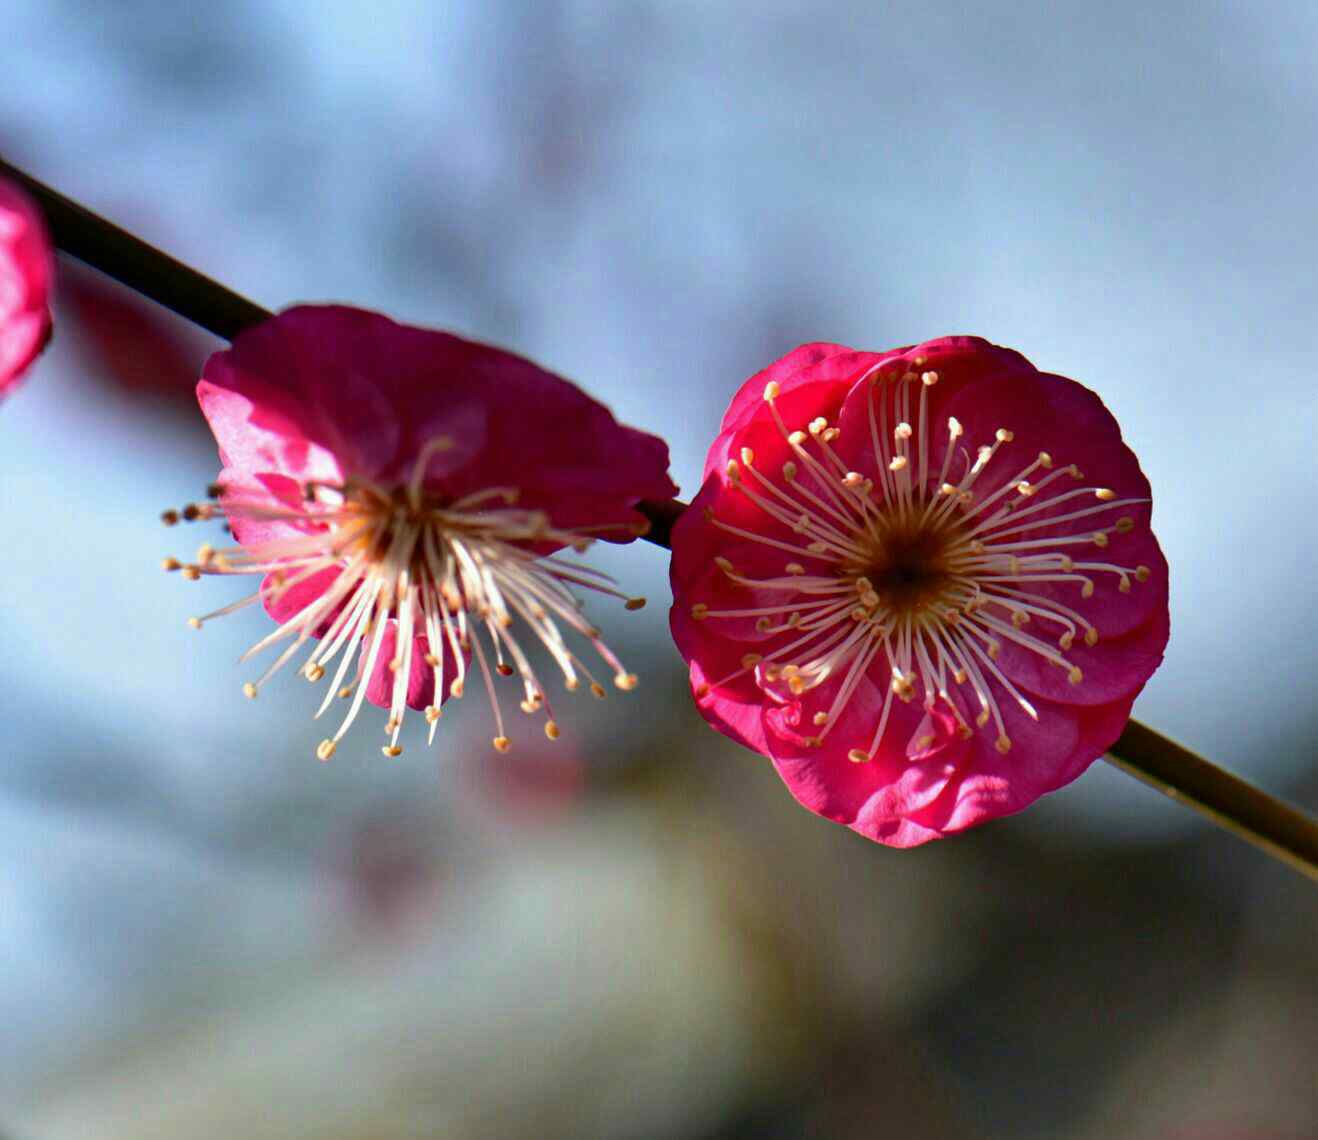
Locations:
1282 831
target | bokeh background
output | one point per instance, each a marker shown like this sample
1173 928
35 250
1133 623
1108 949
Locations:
636 933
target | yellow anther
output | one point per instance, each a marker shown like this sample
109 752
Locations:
1106 494
325 749
1075 675
1142 573
789 470
1100 539
433 713
551 729
249 690
455 689
431 660
1067 563
1124 525
897 463
392 750
1124 584
797 438
191 573
817 425
1087 590
982 719
502 743
794 568
195 622
170 564
1045 460
947 489
763 624
1024 489
597 690
625 681
771 390
929 379
169 518
1091 636
313 672
724 564
903 431
748 456
700 611
830 434
853 479
734 472
1067 639
954 428
819 718
1002 435
818 548
750 660
858 756
960 676
345 692
923 742
1003 744
700 691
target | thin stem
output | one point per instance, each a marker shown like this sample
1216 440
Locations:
129 260
1230 802
1263 820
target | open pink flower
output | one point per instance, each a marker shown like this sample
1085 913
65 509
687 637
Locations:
406 495
921 581
26 270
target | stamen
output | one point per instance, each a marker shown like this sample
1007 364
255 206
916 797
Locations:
912 574
438 572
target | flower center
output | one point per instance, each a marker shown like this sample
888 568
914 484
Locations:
907 566
916 574
440 581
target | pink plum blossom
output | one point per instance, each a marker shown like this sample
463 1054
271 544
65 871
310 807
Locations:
922 582
412 501
26 272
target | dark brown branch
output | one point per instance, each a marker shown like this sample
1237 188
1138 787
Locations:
128 259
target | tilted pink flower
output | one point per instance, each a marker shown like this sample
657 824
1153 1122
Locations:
921 581
397 486
26 272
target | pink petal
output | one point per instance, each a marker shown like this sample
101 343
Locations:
26 272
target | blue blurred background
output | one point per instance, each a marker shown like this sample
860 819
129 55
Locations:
203 932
